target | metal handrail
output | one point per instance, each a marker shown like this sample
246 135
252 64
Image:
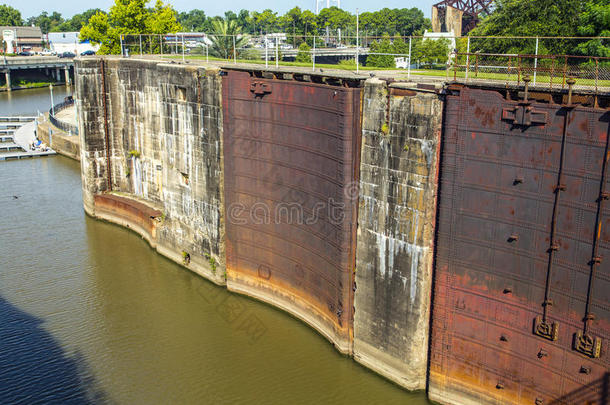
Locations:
64 126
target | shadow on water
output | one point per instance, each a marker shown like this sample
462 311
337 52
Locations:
34 368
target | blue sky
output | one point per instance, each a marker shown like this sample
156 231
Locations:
69 8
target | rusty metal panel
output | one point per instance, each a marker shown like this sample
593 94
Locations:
520 211
291 157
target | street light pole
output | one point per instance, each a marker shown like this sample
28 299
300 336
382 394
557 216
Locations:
52 103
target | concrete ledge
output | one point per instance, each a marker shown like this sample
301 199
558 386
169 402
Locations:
128 212
290 303
388 366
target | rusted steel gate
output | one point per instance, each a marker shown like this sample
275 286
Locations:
291 159
522 279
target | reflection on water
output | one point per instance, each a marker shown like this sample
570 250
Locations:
101 317
31 101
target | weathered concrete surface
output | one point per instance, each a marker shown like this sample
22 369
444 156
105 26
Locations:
435 20
453 20
163 137
64 144
394 256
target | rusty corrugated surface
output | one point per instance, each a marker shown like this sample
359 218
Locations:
129 210
291 162
518 215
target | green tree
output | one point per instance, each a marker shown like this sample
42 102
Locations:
245 21
551 18
162 19
98 31
266 21
383 46
128 17
46 22
222 40
9 15
334 18
77 21
304 53
195 20
431 51
595 22
309 21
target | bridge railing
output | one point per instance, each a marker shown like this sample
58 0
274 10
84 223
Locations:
67 127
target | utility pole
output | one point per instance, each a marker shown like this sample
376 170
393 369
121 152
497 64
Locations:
277 52
313 56
357 40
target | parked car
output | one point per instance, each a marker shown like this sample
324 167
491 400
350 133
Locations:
67 55
87 53
25 53
46 52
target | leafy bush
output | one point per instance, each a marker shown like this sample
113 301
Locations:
304 53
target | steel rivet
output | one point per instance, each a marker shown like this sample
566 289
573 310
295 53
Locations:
500 386
508 290
542 353
518 180
539 401
503 338
585 370
513 238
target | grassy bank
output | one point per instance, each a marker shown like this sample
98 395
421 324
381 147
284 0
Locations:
27 80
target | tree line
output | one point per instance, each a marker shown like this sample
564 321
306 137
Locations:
295 21
568 18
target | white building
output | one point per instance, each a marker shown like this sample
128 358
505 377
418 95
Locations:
61 42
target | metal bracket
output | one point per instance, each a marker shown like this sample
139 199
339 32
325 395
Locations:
586 344
524 115
260 89
546 330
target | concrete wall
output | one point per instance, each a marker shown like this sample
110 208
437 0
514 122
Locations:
394 254
59 141
164 137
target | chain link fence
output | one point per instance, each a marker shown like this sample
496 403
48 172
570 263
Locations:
547 60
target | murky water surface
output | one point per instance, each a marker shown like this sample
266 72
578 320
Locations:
31 101
90 314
